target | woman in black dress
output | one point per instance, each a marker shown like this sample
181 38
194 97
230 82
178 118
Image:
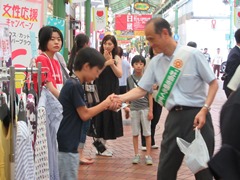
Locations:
109 123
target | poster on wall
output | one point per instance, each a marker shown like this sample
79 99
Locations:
99 18
59 23
24 19
5 46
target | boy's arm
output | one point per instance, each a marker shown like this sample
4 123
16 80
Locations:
86 113
127 109
150 112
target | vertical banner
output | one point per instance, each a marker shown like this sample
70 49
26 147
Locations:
237 17
5 45
60 24
99 18
24 19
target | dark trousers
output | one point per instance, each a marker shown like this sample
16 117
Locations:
157 110
227 91
216 68
180 124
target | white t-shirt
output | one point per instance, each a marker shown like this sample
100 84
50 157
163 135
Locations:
217 60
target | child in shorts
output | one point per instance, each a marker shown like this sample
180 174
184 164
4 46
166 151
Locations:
140 111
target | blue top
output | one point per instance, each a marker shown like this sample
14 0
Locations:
191 88
126 67
71 97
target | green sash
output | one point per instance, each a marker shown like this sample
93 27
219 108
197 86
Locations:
172 76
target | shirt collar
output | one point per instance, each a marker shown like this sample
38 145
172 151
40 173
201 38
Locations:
169 58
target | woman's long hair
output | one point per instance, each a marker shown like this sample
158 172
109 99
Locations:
80 41
114 41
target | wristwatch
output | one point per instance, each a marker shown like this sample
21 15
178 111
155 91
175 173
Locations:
207 106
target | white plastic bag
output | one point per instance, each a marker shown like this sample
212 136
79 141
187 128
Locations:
196 153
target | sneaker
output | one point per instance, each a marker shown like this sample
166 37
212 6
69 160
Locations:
105 153
136 159
148 160
144 148
154 146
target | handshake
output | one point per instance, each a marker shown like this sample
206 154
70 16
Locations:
115 102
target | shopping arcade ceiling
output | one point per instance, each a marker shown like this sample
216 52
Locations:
126 6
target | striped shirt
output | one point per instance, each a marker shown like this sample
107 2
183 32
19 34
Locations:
24 163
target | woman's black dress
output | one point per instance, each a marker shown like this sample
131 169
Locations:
108 123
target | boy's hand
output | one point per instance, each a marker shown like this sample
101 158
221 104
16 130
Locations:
114 102
150 115
127 112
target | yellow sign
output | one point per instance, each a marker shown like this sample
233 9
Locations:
141 6
19 79
118 32
124 34
139 33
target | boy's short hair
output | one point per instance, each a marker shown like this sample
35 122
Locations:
90 56
45 34
138 58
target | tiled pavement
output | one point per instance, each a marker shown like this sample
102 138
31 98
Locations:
120 167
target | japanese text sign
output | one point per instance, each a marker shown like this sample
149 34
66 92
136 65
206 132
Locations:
131 21
24 20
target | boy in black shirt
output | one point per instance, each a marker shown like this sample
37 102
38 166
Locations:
87 67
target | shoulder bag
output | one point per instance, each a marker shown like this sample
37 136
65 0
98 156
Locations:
91 94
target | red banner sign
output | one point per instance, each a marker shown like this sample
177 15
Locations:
131 22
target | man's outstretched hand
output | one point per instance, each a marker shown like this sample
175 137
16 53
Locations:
116 102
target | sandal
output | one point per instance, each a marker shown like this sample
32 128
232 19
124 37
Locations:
86 161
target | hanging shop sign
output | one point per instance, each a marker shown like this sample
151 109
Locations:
213 23
237 17
133 22
141 6
99 18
